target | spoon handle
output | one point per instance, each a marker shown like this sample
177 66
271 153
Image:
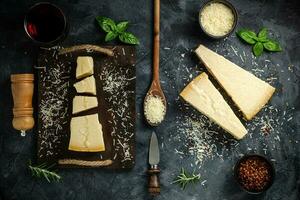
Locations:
156 41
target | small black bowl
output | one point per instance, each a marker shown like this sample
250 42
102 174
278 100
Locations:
45 24
229 5
270 168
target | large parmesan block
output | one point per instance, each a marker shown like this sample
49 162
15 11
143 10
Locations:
86 134
85 66
87 85
247 91
82 103
203 96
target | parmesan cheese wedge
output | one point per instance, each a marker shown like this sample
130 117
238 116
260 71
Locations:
247 91
87 85
82 103
86 134
85 66
203 96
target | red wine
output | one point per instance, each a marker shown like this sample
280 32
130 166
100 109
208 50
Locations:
45 23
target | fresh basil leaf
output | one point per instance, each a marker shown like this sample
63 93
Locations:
251 33
272 46
258 49
128 38
263 40
106 24
247 35
110 36
122 26
113 30
263 33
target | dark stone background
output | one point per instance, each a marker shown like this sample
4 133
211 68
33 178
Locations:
181 33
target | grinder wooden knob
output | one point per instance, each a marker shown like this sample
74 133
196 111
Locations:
22 91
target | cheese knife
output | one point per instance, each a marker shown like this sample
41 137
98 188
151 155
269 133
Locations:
153 187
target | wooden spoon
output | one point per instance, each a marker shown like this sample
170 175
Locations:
155 89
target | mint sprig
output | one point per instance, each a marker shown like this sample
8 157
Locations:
114 30
259 41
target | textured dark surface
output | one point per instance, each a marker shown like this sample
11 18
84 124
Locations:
181 33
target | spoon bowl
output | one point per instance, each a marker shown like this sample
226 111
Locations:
156 91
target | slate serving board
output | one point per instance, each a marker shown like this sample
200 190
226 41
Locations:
115 82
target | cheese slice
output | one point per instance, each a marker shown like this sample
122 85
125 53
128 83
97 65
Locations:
203 96
81 103
247 91
85 66
87 85
86 134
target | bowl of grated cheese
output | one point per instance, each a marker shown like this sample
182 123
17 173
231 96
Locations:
218 18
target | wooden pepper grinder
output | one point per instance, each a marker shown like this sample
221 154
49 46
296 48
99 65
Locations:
22 92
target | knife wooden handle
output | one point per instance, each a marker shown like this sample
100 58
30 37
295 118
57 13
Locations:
153 187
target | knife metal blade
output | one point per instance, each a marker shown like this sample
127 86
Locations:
153 150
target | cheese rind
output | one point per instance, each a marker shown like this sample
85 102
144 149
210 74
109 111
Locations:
203 96
87 85
85 66
247 91
86 134
82 103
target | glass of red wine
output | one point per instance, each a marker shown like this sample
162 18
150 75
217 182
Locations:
45 24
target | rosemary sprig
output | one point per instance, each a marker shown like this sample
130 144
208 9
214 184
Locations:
43 171
184 178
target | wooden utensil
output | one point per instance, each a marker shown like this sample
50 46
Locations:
155 88
22 92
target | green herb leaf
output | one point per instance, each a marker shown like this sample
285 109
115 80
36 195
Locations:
128 38
263 40
122 26
183 179
260 42
106 24
272 46
263 33
110 36
43 171
113 30
258 49
247 35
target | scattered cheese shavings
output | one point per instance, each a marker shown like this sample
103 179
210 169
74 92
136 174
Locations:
204 140
53 109
115 80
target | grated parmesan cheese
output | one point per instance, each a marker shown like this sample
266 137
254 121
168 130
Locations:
217 19
155 109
